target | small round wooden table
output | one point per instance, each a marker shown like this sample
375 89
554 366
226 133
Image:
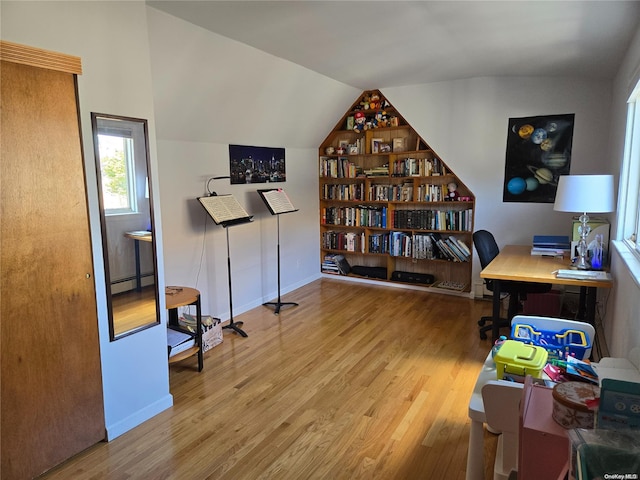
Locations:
180 297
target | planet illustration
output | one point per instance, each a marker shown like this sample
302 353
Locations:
516 186
538 135
544 176
525 131
552 127
546 144
555 160
532 183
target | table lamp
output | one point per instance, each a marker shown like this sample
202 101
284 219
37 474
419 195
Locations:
582 194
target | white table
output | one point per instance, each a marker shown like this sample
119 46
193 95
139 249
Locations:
475 455
618 368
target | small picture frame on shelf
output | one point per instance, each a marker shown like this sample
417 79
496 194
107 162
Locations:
350 122
384 148
343 144
353 150
398 144
375 145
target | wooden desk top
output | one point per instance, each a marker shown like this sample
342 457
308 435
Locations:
180 296
139 235
515 262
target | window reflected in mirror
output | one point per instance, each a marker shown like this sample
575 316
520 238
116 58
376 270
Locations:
122 168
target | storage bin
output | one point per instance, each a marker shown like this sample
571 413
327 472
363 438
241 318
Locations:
559 344
544 304
518 358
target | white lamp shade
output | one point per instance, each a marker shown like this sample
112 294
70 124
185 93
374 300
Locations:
585 194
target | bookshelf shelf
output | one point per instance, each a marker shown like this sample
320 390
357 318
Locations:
384 200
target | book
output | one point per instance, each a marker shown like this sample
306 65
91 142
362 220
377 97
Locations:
178 341
549 252
277 200
224 209
552 241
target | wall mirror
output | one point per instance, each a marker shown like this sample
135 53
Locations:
128 237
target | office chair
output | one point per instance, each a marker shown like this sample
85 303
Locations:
487 249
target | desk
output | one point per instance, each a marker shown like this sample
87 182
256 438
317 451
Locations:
137 237
515 263
180 297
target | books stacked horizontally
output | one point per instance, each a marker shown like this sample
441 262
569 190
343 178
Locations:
551 246
335 264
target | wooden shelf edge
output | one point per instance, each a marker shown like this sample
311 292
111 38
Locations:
185 354
405 285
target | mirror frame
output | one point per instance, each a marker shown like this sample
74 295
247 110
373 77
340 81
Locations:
103 223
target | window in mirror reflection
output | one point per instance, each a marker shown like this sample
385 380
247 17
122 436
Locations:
117 161
122 162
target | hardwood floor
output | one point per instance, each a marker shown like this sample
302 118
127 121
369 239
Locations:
133 309
357 382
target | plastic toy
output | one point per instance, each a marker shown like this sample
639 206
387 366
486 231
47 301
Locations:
452 193
559 344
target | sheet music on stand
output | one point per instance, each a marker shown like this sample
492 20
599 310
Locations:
277 201
225 209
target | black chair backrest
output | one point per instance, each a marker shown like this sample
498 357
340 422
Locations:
486 246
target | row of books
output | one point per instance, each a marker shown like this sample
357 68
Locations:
351 191
342 167
360 216
432 193
418 246
428 246
453 248
391 193
377 217
422 219
348 241
339 167
418 167
384 192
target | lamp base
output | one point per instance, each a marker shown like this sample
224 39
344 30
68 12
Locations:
584 229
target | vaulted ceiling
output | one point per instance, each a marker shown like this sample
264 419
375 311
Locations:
377 44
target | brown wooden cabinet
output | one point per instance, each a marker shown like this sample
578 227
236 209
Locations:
51 383
385 203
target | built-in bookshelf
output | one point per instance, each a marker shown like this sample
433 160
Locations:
386 205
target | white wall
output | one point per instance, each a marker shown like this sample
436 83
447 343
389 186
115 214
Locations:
622 326
466 121
209 92
111 39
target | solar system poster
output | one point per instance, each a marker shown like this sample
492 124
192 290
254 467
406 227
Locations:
538 152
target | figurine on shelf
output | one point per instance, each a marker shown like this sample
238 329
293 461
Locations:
359 122
452 193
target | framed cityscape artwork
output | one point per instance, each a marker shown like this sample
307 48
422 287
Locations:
538 152
256 164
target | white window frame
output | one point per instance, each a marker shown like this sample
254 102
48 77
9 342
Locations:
629 194
134 157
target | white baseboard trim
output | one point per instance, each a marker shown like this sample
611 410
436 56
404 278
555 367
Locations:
139 417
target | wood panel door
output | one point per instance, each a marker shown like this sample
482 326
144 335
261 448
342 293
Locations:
51 385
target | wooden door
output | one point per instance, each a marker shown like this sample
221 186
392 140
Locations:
51 385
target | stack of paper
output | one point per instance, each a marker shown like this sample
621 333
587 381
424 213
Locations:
583 274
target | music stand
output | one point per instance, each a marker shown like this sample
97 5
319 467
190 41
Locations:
278 203
226 211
